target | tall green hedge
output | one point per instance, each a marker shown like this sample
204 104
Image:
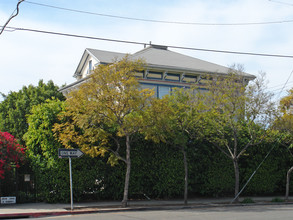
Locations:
158 172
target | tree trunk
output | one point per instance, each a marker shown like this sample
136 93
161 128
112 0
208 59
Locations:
287 183
186 176
127 175
236 171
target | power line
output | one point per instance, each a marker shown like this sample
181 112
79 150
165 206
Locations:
160 21
285 83
12 16
280 85
141 43
281 89
283 3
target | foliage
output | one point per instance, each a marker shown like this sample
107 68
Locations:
238 117
247 200
157 172
52 172
213 172
42 148
284 122
277 199
106 109
176 119
11 153
17 105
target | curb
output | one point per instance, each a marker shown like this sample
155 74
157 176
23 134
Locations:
92 210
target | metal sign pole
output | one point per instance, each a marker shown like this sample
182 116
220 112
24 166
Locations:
70 153
71 191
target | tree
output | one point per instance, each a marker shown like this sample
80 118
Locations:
17 105
42 147
239 116
284 123
11 153
104 111
176 119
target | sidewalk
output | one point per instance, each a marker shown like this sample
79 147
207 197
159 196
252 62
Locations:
45 209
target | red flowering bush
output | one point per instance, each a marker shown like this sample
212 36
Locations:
11 153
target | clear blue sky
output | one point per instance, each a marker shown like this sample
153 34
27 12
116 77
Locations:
27 57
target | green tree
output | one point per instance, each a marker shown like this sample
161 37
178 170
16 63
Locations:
42 147
239 116
105 112
51 171
17 105
177 120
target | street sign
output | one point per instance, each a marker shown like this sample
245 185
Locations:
69 153
8 200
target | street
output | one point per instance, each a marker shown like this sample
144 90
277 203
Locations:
257 212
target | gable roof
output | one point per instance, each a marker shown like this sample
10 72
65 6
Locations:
157 56
104 56
101 56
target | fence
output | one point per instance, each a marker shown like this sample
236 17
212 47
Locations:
20 185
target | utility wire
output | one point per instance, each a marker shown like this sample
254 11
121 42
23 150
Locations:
254 173
280 85
160 21
141 43
285 84
280 89
283 3
12 16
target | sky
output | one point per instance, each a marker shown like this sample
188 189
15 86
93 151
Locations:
226 25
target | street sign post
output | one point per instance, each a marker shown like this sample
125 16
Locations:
70 153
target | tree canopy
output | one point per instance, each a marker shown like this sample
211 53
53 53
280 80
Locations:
239 116
176 119
105 112
17 105
42 147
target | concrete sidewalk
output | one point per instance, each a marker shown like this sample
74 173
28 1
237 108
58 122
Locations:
45 209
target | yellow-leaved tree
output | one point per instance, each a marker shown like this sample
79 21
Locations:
105 112
284 124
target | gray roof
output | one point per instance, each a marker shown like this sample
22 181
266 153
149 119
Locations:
157 56
105 56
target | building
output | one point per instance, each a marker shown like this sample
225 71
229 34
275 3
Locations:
165 69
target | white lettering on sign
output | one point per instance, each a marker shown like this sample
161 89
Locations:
8 200
68 153
72 153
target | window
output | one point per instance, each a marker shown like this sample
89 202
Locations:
90 67
172 77
189 79
164 90
139 74
155 75
147 86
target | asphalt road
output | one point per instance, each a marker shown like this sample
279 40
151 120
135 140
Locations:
257 212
